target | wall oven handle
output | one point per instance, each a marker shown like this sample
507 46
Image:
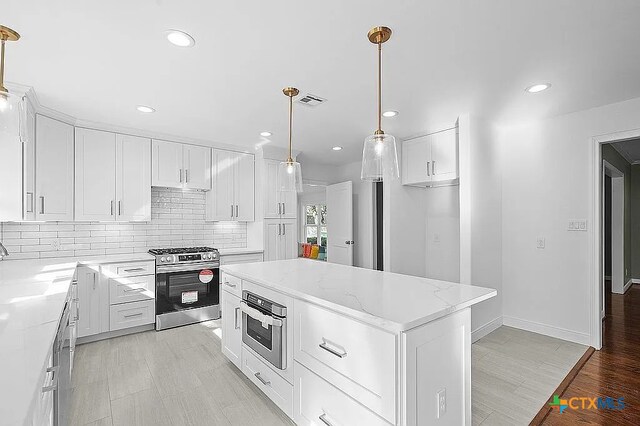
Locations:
324 346
263 381
259 316
323 419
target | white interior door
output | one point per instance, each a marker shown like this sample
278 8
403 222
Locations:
340 223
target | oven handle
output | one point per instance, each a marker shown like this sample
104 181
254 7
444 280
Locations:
187 267
259 316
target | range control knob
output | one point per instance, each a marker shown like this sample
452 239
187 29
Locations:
162 259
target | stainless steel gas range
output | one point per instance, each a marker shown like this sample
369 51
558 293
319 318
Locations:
187 285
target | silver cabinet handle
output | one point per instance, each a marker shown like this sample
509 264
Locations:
235 325
135 290
231 210
263 381
134 270
433 167
279 229
119 207
323 419
133 315
230 285
186 175
284 229
29 202
279 208
237 211
180 175
324 346
111 207
42 205
95 278
54 379
428 174
284 208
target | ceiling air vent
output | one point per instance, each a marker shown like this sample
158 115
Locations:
311 100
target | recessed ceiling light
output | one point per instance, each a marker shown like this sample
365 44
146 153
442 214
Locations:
265 134
337 148
538 87
390 113
180 38
146 109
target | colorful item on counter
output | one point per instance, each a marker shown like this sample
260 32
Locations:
306 250
315 249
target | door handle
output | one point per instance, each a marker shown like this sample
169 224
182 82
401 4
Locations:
324 346
279 208
180 175
135 290
29 202
94 280
279 229
323 419
284 208
133 315
263 381
235 325
119 207
186 175
237 211
428 174
231 210
134 270
284 229
111 207
42 206
433 167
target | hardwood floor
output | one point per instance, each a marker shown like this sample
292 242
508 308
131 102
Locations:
613 371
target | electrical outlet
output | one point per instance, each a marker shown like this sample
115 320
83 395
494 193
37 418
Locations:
55 244
540 242
441 398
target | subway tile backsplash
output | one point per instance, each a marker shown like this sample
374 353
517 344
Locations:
177 220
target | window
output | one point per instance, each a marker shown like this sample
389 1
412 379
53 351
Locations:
315 224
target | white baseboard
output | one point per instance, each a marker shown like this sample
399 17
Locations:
626 286
635 280
485 329
548 330
602 315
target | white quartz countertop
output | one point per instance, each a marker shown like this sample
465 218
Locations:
32 296
391 301
232 251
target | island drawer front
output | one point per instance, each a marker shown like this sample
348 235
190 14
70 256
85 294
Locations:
317 400
131 314
132 289
231 284
129 269
268 381
357 358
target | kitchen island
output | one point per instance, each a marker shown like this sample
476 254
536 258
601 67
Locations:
358 346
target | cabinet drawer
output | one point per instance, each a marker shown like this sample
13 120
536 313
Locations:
232 284
131 314
132 289
272 384
317 402
357 358
129 269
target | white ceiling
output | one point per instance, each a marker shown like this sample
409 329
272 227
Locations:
98 60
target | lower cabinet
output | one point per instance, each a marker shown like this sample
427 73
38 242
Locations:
90 306
232 328
132 314
268 381
281 239
318 402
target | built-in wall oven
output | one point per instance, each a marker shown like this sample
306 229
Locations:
187 286
264 328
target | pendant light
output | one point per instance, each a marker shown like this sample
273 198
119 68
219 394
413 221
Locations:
11 106
289 172
379 156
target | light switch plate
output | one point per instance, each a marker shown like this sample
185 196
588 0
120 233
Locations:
540 242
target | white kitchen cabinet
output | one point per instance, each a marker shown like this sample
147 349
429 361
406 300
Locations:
277 204
431 160
113 179
177 165
29 166
280 240
232 196
54 169
232 328
91 306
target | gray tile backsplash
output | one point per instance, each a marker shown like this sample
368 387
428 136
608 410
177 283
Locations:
177 220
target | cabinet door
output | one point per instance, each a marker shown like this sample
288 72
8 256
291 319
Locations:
416 161
89 306
220 198
54 169
444 156
243 188
232 328
289 200
272 206
272 236
289 240
133 178
29 167
95 175
166 166
197 167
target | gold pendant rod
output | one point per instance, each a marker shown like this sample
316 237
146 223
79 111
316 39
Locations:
290 126
380 87
2 88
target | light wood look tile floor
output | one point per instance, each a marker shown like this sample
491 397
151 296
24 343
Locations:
180 377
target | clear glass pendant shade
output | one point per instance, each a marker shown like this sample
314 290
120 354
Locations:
290 176
379 158
12 120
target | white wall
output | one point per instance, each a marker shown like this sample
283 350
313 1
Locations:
546 182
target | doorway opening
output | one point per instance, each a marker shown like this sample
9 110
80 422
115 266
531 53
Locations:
615 270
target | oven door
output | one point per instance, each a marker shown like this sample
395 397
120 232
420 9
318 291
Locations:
265 333
181 288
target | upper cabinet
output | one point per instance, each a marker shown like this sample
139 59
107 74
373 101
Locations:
277 204
431 160
54 170
113 177
177 165
232 196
